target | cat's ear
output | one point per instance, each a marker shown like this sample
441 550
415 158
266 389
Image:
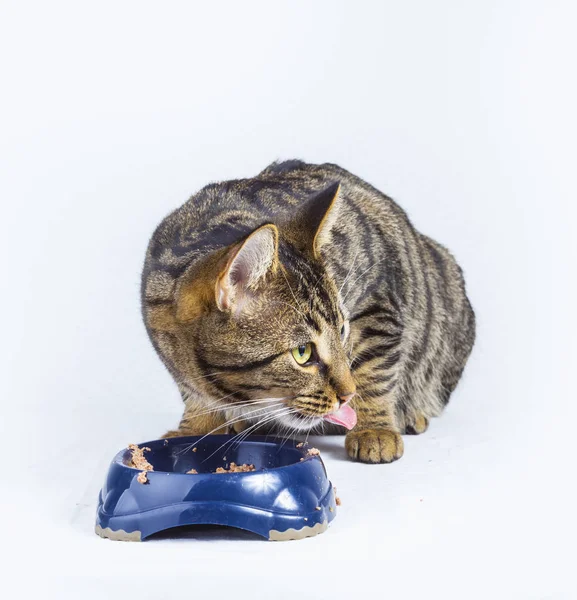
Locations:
318 215
246 267
231 278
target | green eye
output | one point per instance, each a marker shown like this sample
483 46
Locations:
302 354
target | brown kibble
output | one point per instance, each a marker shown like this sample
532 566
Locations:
195 449
338 501
192 472
234 468
142 478
313 452
138 461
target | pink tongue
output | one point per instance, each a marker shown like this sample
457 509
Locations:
345 416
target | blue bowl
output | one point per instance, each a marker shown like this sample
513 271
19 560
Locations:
288 497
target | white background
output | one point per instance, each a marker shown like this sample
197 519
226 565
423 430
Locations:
113 113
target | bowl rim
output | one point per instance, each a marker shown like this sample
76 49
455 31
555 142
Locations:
305 457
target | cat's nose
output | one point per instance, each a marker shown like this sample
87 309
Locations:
343 399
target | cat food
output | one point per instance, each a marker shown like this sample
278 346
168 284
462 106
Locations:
234 468
311 452
337 499
138 459
139 462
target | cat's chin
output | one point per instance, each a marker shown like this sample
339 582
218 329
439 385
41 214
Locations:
300 422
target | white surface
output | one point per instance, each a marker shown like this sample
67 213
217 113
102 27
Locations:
112 114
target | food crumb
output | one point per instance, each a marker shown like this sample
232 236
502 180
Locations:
166 442
234 468
138 459
192 472
195 449
224 458
302 459
317 508
301 444
338 501
313 452
331 509
139 462
306 519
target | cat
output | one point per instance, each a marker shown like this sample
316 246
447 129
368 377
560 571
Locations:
304 299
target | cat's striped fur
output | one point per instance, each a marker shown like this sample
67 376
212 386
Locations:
331 259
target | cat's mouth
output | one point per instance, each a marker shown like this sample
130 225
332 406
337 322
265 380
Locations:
344 416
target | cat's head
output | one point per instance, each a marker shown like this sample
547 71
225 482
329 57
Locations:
260 325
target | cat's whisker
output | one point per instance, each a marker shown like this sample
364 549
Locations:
242 435
269 417
284 436
291 432
281 425
261 401
236 405
238 418
307 435
271 414
227 423
246 433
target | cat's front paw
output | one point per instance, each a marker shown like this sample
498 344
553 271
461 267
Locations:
374 445
417 424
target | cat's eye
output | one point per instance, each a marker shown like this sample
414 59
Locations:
302 354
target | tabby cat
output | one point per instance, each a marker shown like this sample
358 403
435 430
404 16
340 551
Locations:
304 299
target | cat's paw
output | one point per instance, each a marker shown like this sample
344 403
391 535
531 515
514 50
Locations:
374 445
238 427
416 425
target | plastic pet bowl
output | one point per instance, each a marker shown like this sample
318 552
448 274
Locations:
288 497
